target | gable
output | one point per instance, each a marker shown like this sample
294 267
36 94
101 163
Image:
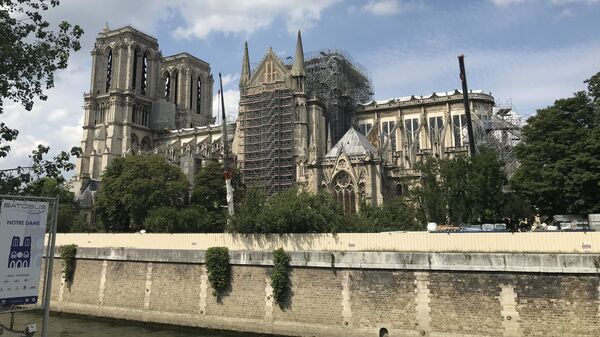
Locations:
270 70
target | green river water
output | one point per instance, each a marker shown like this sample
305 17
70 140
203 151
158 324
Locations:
83 326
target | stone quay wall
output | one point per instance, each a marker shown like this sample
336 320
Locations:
339 294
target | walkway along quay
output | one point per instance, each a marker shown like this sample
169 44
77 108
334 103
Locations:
377 284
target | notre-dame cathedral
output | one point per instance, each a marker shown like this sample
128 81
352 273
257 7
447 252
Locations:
308 121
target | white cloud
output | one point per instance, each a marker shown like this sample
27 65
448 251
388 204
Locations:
531 78
240 16
505 3
391 7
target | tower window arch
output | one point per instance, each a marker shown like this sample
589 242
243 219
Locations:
109 62
191 92
136 54
144 83
198 95
176 88
168 86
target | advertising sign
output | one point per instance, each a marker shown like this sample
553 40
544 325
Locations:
22 228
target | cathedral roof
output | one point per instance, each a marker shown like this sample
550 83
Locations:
353 143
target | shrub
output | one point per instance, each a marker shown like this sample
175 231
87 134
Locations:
219 270
67 254
280 279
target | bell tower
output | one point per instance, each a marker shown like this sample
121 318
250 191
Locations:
118 107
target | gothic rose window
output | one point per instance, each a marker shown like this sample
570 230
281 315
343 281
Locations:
343 190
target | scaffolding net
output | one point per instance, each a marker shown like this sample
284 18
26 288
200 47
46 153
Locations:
341 83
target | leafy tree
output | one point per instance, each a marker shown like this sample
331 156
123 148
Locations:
209 187
560 155
395 214
68 212
134 185
15 181
31 53
193 219
289 212
247 215
428 193
486 178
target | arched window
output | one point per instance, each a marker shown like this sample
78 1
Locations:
343 190
136 54
168 87
144 74
191 92
109 69
176 91
198 95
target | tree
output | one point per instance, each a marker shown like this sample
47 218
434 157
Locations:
68 213
290 211
209 187
192 219
15 181
30 55
560 155
428 193
396 214
133 186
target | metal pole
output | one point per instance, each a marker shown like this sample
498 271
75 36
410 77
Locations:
227 172
50 265
463 79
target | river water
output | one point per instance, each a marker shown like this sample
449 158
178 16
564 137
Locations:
64 325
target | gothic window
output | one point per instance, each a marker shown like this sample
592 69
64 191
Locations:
144 74
168 86
459 130
109 62
136 54
344 193
176 87
191 91
198 95
412 128
435 129
388 131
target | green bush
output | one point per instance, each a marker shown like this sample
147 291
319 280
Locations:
67 254
280 279
219 270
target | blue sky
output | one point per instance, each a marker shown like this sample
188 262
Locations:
529 52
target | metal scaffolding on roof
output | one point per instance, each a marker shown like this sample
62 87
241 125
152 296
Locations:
341 83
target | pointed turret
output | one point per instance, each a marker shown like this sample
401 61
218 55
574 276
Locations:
298 68
245 76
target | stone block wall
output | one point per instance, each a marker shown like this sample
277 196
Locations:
332 301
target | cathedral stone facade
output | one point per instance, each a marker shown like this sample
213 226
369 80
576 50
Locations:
141 102
288 129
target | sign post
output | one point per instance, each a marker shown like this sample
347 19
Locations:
22 231
23 223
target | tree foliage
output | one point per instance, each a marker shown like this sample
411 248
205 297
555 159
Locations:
218 268
290 211
560 155
396 214
461 189
134 185
209 187
280 278
30 55
191 219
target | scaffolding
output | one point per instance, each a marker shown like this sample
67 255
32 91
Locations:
267 131
341 83
501 133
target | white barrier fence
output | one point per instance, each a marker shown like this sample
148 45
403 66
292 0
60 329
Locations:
519 242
